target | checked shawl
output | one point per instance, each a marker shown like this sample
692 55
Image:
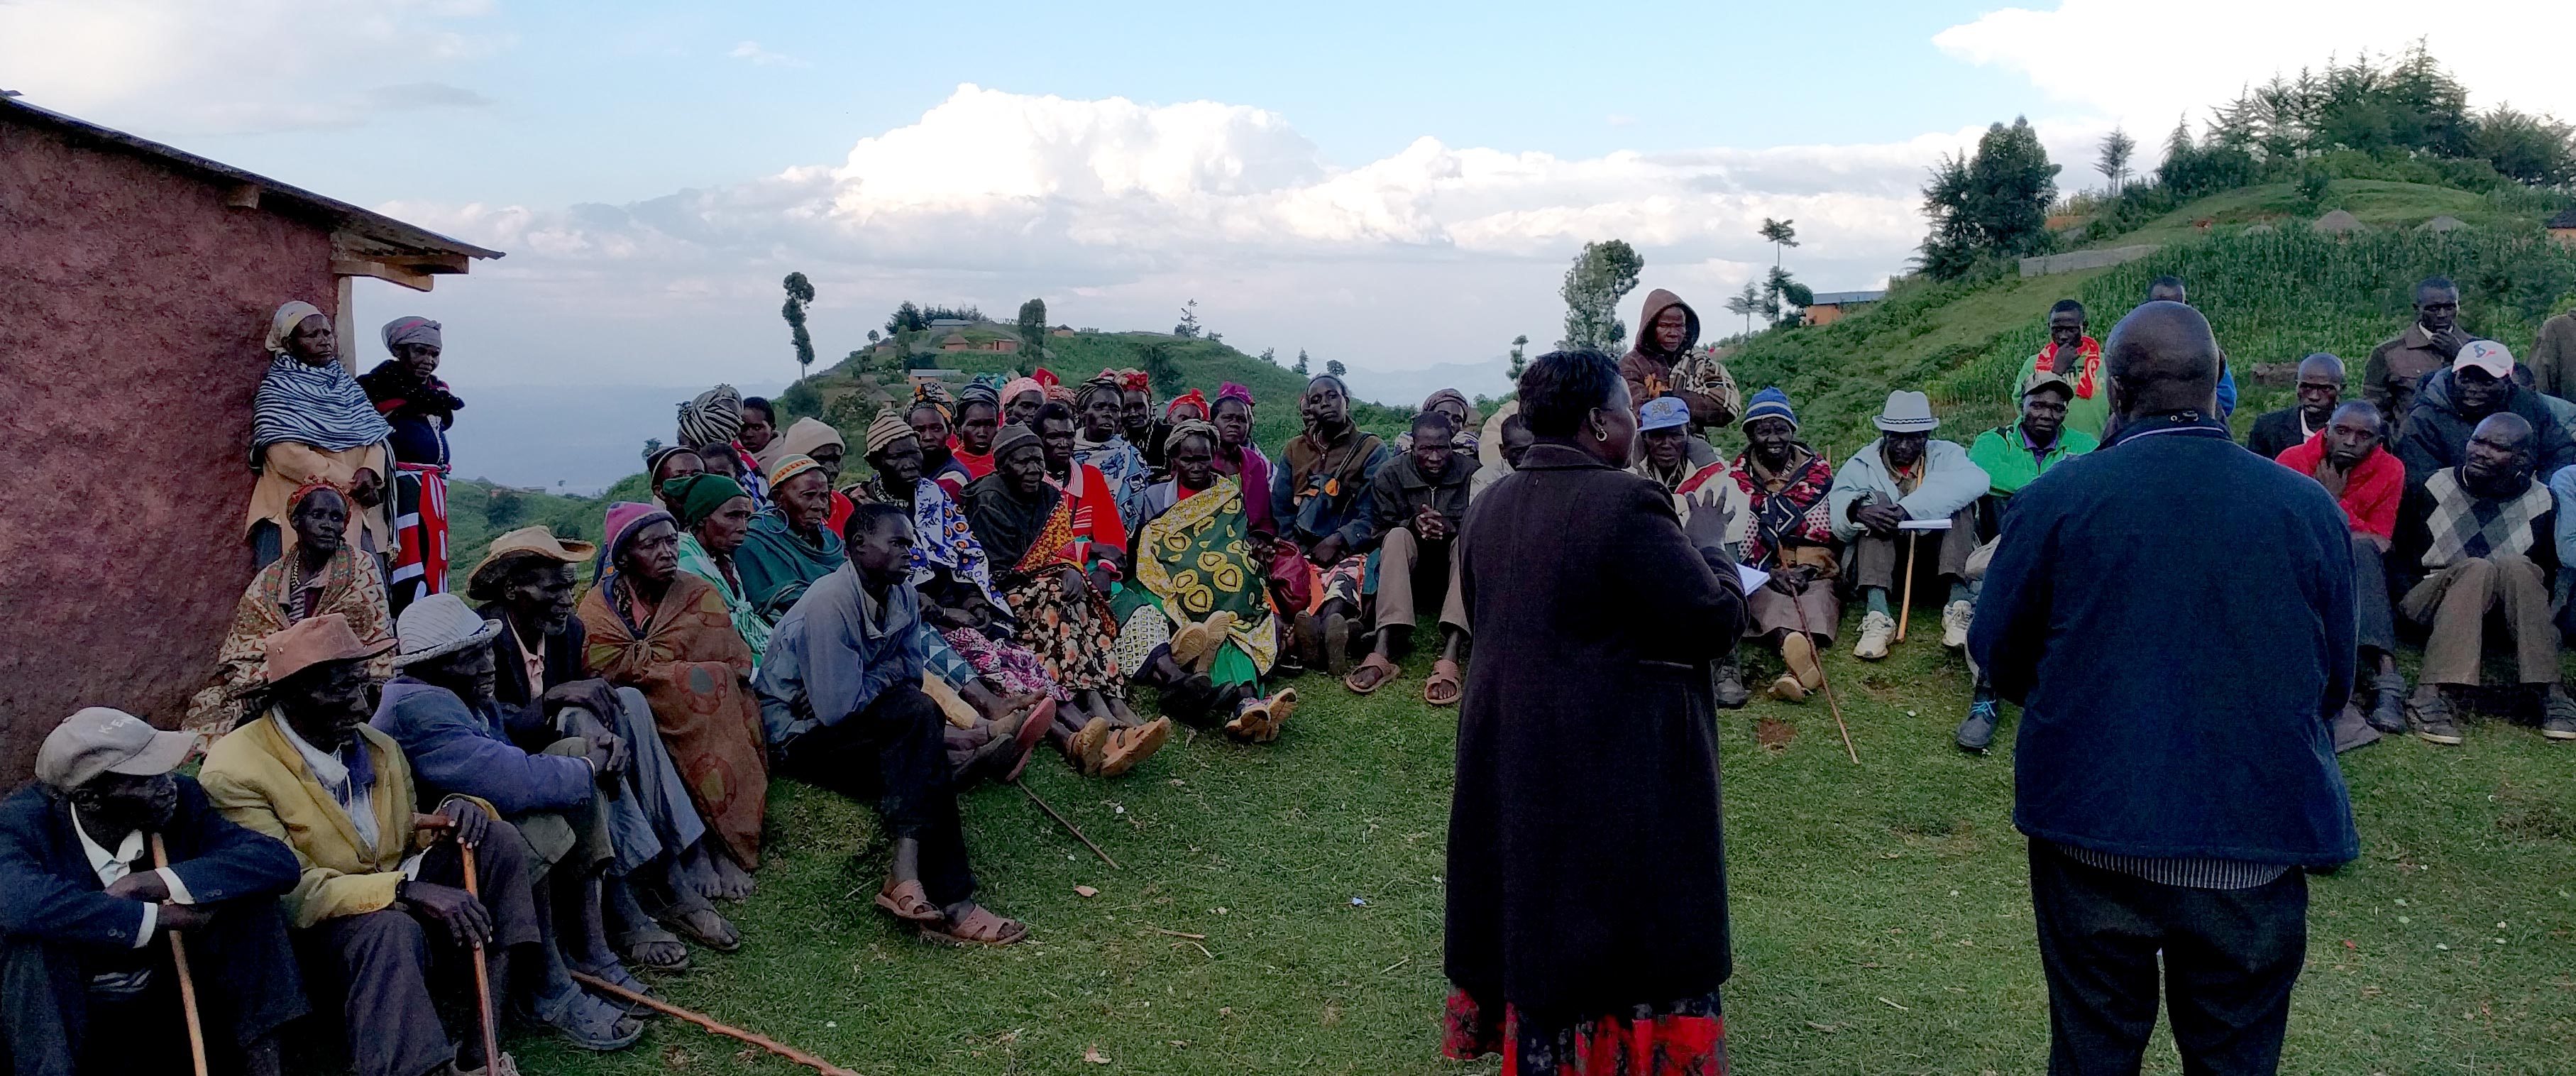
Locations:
2465 527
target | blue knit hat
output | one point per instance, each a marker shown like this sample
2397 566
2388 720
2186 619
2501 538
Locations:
1770 403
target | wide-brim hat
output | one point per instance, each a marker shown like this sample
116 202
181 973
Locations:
484 582
438 625
310 642
1907 411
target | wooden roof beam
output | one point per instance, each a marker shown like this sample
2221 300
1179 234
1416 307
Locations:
381 270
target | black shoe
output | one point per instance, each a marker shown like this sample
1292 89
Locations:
1978 731
2558 715
2434 721
1729 685
2388 710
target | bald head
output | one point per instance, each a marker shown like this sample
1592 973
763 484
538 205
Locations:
2498 459
2321 365
2162 358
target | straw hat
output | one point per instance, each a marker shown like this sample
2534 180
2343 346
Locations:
437 626
484 583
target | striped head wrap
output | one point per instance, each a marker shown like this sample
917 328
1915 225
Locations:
885 429
300 403
410 330
1188 426
1107 382
935 396
1017 386
789 467
712 418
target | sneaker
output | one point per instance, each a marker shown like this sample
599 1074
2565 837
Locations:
1788 689
2388 710
2434 719
1730 692
1978 730
1876 631
2558 715
1955 619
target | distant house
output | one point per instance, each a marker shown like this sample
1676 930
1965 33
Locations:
141 282
917 377
1005 345
1830 306
1060 331
956 342
949 323
2563 227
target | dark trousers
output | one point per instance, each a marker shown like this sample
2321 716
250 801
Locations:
1880 562
894 752
2378 626
2230 958
379 964
246 988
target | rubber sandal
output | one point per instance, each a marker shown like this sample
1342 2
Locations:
1219 626
1282 705
1444 673
1131 746
596 1025
908 894
680 920
980 927
1386 670
632 943
1190 643
1251 721
615 974
1085 749
1032 732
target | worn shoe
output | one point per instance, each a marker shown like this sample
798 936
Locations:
1127 747
2434 720
2388 708
1798 653
2558 715
1730 692
1876 631
1978 731
1788 689
1955 619
1086 747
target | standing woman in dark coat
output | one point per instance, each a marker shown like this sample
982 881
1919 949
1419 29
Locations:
1587 881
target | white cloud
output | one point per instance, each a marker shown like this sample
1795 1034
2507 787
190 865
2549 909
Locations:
279 64
2145 64
751 52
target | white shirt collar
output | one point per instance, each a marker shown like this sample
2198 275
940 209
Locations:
109 866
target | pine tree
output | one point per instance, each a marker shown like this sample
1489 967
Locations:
2117 147
1602 275
800 294
1520 359
1301 362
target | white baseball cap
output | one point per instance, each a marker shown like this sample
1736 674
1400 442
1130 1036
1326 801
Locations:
2486 355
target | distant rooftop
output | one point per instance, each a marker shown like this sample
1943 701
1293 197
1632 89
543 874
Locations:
1846 298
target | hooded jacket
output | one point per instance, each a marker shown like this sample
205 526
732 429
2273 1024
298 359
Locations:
2437 436
1951 481
1700 380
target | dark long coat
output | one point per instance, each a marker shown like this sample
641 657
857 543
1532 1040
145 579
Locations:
1586 861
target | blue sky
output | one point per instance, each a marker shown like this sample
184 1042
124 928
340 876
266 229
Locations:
1397 186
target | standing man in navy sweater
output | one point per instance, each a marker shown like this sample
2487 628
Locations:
2175 615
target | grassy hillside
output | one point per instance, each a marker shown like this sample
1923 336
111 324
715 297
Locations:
2272 296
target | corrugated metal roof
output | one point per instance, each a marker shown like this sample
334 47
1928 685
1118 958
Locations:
1841 298
363 232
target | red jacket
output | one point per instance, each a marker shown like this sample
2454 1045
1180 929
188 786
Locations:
2370 493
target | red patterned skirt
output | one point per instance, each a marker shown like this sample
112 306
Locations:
1684 1038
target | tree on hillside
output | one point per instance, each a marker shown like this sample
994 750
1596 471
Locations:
1780 294
1301 362
906 318
1033 327
1780 235
1994 204
1189 326
1270 355
1162 370
800 293
1520 358
1747 303
2117 147
872 336
1603 274
1335 367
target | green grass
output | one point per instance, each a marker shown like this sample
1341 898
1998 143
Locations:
1881 913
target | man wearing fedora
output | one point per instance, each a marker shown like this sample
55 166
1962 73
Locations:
87 982
461 741
382 885
1907 476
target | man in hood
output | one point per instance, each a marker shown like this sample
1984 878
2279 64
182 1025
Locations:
1663 364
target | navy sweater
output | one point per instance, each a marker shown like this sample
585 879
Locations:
2175 615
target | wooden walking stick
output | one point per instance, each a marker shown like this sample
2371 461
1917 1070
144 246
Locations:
1822 680
482 970
1905 597
187 986
763 1041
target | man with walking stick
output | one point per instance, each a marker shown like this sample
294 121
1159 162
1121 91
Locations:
2175 616
1905 490
91 972
383 886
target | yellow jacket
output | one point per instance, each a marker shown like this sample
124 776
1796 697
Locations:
258 780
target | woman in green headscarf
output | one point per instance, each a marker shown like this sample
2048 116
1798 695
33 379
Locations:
1197 620
791 545
715 518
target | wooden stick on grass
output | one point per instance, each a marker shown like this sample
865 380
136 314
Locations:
1067 823
1822 680
763 1041
187 986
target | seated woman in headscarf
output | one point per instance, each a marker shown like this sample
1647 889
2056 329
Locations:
1238 457
710 424
1188 405
715 517
320 574
310 422
419 407
664 464
1462 418
1138 420
1196 623
932 415
1060 609
669 634
816 440
1098 444
790 547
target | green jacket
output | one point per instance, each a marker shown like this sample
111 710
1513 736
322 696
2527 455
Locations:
2005 455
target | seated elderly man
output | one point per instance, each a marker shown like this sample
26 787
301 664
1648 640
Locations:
2453 401
2014 456
2320 391
1417 504
381 890
87 982
1792 538
841 701
2476 539
1907 477
462 742
2346 457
